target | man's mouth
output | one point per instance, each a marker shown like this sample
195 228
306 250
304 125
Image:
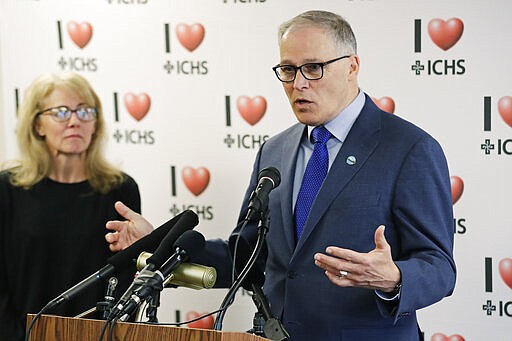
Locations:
301 101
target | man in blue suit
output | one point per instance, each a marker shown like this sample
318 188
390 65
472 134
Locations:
377 242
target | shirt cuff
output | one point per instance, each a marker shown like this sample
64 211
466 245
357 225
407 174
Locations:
389 296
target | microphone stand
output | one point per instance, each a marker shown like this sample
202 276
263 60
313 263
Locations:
272 328
154 303
230 296
105 306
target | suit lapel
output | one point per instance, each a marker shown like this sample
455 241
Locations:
361 141
290 147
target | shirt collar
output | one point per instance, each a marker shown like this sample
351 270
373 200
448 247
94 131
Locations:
341 124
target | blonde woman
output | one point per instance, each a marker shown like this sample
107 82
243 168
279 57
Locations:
55 201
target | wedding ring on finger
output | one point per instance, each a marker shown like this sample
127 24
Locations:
343 273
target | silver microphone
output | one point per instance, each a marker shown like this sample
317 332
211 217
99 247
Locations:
190 275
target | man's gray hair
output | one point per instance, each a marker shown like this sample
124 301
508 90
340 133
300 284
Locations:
333 24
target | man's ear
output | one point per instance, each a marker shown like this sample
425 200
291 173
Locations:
354 66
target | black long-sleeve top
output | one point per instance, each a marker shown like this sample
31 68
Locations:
52 236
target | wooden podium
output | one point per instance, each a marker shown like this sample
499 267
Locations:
56 328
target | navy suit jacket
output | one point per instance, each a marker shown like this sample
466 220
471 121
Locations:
400 179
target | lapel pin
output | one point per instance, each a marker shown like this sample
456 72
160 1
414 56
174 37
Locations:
351 160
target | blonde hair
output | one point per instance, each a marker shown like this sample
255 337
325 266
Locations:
333 24
35 162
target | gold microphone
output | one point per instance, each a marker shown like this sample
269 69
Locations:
190 275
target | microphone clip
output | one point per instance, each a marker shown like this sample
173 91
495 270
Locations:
146 284
106 306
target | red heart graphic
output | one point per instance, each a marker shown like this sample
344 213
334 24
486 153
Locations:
137 105
457 188
505 267
505 109
442 337
252 110
204 323
385 103
80 33
445 33
196 180
190 36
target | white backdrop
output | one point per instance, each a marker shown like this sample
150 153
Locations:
189 96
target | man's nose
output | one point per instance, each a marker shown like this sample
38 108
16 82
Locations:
300 82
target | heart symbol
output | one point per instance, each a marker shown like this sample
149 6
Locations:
204 323
442 337
80 33
196 180
505 109
385 103
505 267
190 36
457 188
445 33
252 110
137 105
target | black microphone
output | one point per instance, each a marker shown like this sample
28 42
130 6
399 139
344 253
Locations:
119 261
268 179
187 221
188 245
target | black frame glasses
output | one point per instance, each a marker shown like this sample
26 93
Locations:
63 113
310 71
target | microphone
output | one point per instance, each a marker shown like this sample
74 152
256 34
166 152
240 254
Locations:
188 245
187 221
119 261
190 275
268 179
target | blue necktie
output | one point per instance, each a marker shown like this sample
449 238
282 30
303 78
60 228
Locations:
314 175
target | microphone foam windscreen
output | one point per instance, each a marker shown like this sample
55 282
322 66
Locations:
124 258
187 221
192 242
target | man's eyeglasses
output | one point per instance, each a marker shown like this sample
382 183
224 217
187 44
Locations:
310 71
63 113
